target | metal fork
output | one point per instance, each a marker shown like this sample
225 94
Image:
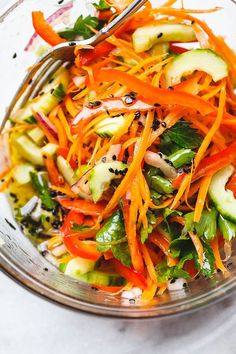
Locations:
60 55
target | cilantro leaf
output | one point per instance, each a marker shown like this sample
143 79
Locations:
102 5
112 237
206 226
207 268
151 222
81 28
79 227
164 273
227 228
183 135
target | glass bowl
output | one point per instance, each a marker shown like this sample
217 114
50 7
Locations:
18 257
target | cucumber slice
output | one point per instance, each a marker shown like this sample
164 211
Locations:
144 38
101 278
21 173
50 95
29 150
37 135
102 175
159 49
78 266
49 149
66 170
196 59
223 198
110 126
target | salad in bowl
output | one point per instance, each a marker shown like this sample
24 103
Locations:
122 167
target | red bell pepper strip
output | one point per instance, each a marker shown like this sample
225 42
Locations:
74 218
85 207
190 267
44 30
130 274
63 151
104 15
54 176
178 180
153 94
108 289
214 163
84 249
176 49
87 56
113 104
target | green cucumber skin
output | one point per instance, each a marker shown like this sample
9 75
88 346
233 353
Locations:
181 157
97 277
223 199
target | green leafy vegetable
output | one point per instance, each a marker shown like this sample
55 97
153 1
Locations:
82 27
227 228
40 184
206 227
114 230
183 135
156 197
207 268
102 5
182 248
164 273
79 227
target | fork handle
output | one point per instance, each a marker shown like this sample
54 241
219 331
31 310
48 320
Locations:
117 22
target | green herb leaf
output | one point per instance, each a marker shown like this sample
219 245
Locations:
40 184
183 135
81 28
102 5
206 227
207 268
227 228
79 227
151 223
164 273
114 230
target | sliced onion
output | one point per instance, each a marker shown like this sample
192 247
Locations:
36 214
82 186
113 151
46 123
59 251
5 153
50 20
29 206
79 80
155 160
42 247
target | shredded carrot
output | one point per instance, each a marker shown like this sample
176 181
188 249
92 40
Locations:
149 264
149 293
218 261
199 248
201 197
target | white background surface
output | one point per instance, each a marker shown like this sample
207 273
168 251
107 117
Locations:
30 325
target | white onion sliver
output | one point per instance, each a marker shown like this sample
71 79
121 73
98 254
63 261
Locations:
29 206
59 251
155 160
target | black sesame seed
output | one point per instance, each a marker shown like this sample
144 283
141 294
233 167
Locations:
140 124
137 115
104 159
186 169
116 172
47 218
163 124
114 157
41 93
53 194
30 81
14 56
126 169
192 22
171 88
124 160
44 253
94 104
72 44
157 105
111 170
218 271
159 35
172 281
45 269
60 2
184 285
51 80
52 90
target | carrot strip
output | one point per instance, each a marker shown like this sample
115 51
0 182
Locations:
201 197
65 124
181 191
218 261
149 264
199 248
44 30
54 176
